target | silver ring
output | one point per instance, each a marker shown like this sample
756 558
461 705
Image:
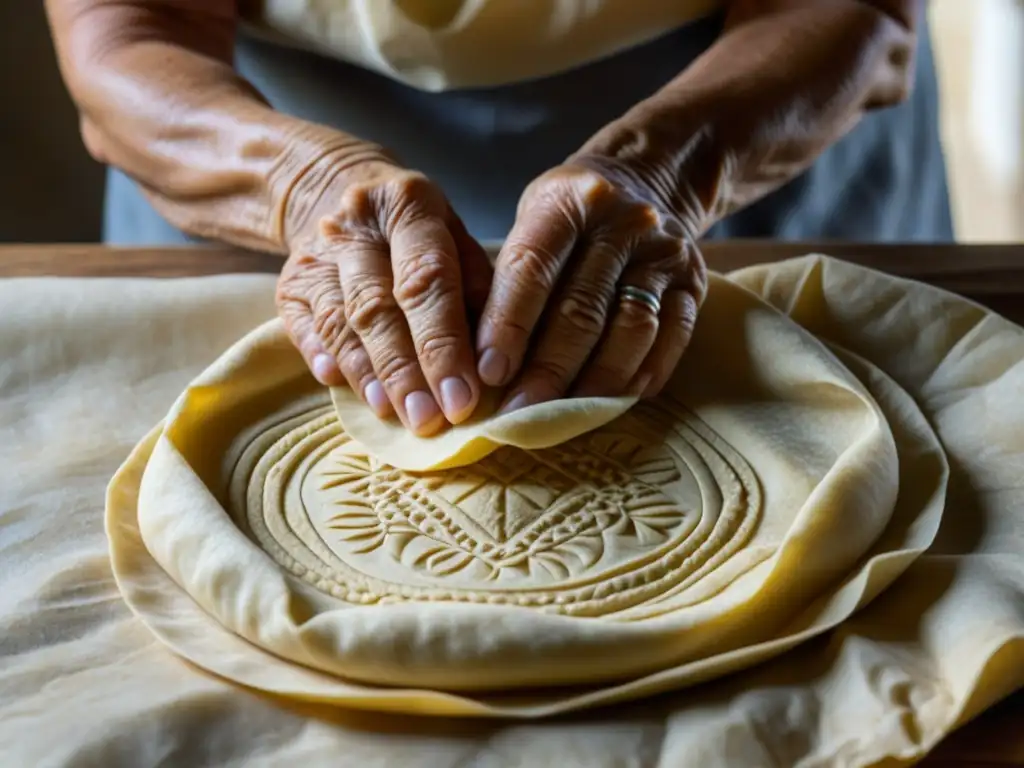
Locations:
640 296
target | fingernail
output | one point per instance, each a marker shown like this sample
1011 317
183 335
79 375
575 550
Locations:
519 401
323 367
377 399
493 367
455 397
421 409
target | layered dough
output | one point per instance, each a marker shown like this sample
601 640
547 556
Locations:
90 617
570 554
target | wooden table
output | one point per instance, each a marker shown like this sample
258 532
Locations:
991 275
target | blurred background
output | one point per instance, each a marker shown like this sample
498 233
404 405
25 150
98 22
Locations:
50 191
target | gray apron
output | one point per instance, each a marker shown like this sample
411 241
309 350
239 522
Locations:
885 181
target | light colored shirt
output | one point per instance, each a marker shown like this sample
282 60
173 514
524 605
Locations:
439 45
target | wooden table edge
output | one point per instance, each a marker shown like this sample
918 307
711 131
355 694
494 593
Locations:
984 268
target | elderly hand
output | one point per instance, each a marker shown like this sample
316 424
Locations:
376 290
380 273
597 288
595 293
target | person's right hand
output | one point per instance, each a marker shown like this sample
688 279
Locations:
380 290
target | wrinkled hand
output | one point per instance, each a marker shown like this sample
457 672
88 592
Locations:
556 322
380 293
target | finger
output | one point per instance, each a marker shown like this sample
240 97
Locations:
676 323
343 344
627 340
334 357
372 312
477 271
298 323
573 327
294 308
428 289
526 273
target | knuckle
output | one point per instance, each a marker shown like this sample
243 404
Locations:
593 188
438 348
357 202
584 311
325 295
396 371
354 364
299 277
323 289
647 215
415 185
614 248
531 265
329 325
422 278
412 197
637 318
564 200
349 343
368 306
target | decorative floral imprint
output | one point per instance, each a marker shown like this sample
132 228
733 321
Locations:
539 514
646 513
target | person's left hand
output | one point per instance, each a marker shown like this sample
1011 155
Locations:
595 292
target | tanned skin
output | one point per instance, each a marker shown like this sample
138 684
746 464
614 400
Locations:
381 285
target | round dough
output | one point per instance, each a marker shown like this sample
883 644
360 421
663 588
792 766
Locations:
612 523
687 537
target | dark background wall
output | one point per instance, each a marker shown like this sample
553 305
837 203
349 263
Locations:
50 190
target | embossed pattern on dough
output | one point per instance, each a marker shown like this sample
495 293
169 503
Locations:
589 545
611 520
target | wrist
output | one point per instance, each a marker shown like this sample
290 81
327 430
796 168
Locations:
308 180
758 107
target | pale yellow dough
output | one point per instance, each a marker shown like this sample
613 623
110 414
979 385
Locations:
843 457
677 541
471 441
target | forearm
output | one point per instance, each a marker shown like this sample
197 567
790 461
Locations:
159 99
786 79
